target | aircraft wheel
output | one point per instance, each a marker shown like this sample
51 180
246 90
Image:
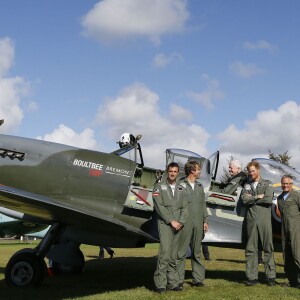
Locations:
25 269
60 268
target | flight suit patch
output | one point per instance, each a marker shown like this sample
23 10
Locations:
155 192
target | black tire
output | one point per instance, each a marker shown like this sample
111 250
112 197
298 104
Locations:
25 269
67 269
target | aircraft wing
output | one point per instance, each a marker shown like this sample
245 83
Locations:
11 227
50 210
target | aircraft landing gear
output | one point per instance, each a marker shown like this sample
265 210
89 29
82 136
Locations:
76 267
27 266
25 269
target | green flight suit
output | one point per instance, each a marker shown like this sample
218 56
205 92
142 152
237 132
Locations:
259 226
193 233
233 183
290 225
168 208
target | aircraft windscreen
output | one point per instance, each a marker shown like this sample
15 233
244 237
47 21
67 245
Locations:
181 156
123 151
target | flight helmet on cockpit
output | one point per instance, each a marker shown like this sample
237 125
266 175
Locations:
126 139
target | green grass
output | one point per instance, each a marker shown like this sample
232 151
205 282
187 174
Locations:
129 275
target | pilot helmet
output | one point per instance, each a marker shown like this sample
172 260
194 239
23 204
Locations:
126 139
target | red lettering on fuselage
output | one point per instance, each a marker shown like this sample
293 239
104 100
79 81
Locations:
94 172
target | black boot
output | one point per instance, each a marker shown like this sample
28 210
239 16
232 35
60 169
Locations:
111 253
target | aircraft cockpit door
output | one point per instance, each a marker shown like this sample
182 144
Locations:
209 170
213 162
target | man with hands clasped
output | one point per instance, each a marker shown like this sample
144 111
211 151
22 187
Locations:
171 207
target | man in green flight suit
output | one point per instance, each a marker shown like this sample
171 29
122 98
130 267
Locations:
171 207
257 196
237 178
195 226
289 205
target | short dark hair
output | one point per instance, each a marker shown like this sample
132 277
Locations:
173 165
191 166
287 176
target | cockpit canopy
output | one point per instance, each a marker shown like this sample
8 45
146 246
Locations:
208 165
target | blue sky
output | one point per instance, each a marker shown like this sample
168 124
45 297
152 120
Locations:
198 75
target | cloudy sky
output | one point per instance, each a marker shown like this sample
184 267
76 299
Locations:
192 74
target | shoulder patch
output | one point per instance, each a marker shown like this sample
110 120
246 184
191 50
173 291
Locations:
155 193
163 187
183 184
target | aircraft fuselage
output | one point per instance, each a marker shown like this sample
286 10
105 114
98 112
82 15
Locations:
93 184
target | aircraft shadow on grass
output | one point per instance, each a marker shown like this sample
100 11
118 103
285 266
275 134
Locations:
99 276
111 275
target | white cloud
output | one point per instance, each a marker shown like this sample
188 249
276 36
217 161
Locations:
67 136
179 113
136 110
135 103
161 60
7 53
245 70
275 130
11 89
32 106
113 20
260 45
209 95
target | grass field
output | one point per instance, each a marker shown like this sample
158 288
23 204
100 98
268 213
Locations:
129 275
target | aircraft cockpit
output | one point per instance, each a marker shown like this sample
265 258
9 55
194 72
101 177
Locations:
143 180
209 168
140 193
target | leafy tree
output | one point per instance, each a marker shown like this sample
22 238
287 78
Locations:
283 158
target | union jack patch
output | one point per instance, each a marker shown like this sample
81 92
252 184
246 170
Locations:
155 192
